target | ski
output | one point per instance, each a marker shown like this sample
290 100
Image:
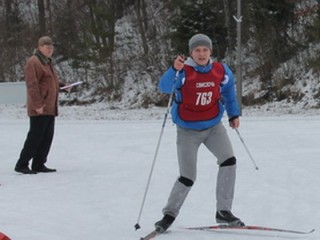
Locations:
257 228
154 233
151 235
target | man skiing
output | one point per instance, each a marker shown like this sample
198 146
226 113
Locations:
203 91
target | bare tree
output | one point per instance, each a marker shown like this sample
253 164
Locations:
227 13
142 21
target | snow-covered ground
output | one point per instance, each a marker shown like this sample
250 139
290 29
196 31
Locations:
104 157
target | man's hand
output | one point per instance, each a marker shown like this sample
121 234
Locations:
234 122
178 63
40 110
68 88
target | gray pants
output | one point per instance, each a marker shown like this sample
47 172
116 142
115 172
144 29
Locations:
188 143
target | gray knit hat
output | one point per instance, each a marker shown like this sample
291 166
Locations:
199 40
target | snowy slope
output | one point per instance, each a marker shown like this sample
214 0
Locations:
103 159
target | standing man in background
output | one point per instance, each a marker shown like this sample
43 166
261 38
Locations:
42 103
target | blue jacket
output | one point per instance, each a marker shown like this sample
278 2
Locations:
171 81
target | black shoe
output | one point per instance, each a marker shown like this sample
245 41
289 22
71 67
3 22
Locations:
228 218
24 170
162 225
44 169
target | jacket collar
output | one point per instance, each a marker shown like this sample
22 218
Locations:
202 69
43 59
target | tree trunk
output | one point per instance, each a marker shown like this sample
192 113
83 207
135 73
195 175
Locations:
42 19
228 26
50 22
141 17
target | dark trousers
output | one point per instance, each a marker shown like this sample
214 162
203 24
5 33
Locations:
38 142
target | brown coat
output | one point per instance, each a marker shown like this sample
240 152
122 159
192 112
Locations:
42 87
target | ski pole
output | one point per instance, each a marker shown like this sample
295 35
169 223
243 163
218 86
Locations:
245 146
137 225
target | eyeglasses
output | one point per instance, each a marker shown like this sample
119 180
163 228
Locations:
48 47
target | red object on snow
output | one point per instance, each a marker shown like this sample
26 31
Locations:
4 237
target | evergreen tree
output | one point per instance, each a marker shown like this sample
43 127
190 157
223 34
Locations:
202 16
270 21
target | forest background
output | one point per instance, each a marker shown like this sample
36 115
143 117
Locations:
119 49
